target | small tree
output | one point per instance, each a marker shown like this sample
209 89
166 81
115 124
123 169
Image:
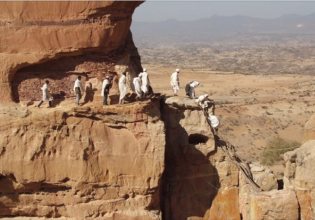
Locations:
276 148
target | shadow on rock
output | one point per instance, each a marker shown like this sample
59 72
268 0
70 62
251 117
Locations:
190 181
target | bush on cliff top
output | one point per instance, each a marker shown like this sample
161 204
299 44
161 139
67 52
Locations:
276 148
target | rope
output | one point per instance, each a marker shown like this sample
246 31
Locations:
230 151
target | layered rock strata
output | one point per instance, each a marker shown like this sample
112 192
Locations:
107 163
156 159
83 163
299 176
198 182
60 40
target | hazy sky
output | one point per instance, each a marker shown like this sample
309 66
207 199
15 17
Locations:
192 10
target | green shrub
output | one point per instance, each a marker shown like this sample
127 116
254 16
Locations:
275 148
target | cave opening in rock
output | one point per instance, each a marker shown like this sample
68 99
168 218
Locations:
280 184
197 139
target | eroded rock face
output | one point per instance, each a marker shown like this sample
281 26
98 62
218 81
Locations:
299 176
274 205
107 163
198 182
295 201
56 40
263 177
84 163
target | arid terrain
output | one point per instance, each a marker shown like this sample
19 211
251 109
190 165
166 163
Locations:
156 158
258 71
252 108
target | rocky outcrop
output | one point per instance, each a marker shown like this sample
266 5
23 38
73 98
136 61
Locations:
83 163
107 163
294 201
155 159
60 40
299 176
263 177
198 182
280 205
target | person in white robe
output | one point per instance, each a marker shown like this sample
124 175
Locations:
46 95
78 89
200 100
137 85
214 122
145 82
175 81
193 85
122 88
105 89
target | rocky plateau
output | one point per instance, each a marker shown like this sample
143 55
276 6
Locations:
151 159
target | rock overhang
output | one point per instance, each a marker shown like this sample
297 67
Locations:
36 32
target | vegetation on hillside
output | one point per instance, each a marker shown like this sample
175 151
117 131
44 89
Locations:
275 148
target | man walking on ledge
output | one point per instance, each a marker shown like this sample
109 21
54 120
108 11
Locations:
46 95
78 89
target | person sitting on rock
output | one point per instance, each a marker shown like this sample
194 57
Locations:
192 86
46 95
122 88
107 85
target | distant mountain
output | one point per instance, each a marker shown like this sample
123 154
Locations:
221 27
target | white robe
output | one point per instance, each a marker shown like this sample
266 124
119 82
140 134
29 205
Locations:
194 84
174 79
77 83
145 82
105 82
137 85
214 121
175 82
46 95
122 87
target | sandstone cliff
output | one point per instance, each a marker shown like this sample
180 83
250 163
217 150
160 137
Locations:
83 163
59 40
145 160
198 182
107 163
155 159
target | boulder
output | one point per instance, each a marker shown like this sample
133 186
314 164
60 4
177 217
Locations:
299 176
281 205
263 177
82 163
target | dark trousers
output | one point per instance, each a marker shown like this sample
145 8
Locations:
78 97
41 102
105 99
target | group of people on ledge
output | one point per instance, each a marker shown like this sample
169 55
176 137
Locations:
77 88
141 84
142 89
203 101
